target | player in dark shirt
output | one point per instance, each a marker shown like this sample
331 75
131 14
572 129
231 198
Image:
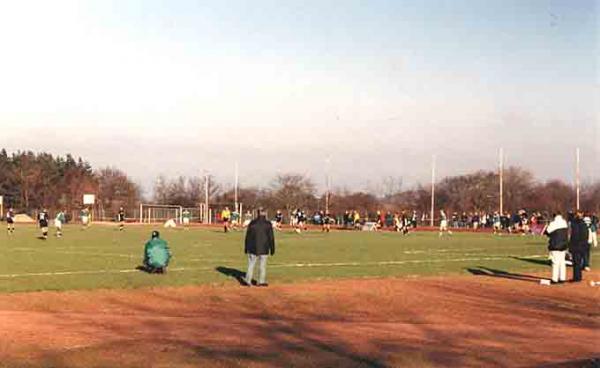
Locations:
43 223
10 221
278 220
327 222
300 220
121 219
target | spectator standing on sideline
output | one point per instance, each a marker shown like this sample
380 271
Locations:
557 231
594 230
578 244
259 244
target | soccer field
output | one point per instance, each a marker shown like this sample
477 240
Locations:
102 257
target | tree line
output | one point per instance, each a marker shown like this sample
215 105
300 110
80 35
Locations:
477 191
30 181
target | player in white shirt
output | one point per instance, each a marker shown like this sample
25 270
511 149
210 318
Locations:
444 224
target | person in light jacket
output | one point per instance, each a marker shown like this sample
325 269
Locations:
558 234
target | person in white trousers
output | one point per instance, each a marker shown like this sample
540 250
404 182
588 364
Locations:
558 234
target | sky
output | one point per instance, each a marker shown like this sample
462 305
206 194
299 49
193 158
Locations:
377 87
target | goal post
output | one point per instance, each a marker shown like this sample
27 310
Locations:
158 213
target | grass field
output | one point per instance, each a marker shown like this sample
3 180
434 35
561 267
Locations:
102 257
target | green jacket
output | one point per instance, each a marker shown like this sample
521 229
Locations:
61 217
157 253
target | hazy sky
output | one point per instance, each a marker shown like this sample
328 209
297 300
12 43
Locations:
177 87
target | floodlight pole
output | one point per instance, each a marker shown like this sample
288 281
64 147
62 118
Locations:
431 223
501 177
206 219
328 183
577 177
235 186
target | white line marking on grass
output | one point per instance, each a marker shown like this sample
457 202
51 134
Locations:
96 272
388 263
275 265
75 252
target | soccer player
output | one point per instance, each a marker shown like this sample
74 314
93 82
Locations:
397 223
235 219
85 217
225 217
356 219
326 222
300 218
121 219
186 218
444 224
10 221
278 220
59 220
497 224
413 220
406 222
379 221
247 219
43 223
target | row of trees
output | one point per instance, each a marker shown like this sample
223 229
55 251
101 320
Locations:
29 181
476 191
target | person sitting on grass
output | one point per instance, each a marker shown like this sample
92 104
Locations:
156 254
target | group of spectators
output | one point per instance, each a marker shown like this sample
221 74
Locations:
518 222
574 237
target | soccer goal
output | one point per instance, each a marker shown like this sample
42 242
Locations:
159 213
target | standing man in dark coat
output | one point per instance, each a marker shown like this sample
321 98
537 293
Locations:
578 244
259 244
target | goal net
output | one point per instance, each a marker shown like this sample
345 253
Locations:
160 213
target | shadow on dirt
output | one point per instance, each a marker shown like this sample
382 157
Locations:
584 363
485 271
359 324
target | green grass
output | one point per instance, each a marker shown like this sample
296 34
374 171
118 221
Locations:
102 257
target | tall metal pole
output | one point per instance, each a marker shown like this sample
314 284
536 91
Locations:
235 188
328 183
577 176
432 190
206 219
501 176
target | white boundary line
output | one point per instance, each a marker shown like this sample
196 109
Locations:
276 265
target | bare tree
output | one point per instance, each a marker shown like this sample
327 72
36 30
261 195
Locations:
292 191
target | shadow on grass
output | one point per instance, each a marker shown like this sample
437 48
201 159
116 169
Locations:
543 262
485 271
232 272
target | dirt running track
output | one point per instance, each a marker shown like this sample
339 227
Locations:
477 321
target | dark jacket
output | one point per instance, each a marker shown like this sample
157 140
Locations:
259 237
579 236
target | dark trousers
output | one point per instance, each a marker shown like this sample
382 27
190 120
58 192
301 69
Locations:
586 257
578 264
